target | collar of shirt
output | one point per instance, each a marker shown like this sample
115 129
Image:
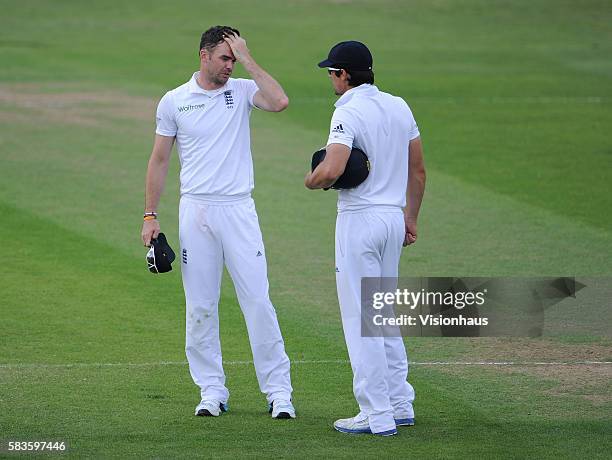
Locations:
195 88
365 89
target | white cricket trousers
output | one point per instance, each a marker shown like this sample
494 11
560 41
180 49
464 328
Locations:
369 244
213 233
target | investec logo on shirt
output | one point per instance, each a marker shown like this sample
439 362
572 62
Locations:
186 108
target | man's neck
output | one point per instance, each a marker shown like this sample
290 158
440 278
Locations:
206 84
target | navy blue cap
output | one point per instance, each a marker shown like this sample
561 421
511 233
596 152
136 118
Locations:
160 255
350 55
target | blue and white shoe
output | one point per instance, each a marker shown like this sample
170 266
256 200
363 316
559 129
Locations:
356 425
404 420
210 408
281 408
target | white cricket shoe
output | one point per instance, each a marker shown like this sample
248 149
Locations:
281 408
359 425
210 408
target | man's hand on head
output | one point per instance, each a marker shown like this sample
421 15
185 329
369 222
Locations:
238 46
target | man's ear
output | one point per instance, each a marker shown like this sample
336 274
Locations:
204 55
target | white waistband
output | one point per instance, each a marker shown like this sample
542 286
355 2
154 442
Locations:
374 208
217 199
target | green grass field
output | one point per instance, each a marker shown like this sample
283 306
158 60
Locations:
512 100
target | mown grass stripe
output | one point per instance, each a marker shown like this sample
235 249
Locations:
301 361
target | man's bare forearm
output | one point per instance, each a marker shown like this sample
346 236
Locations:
156 179
321 177
330 169
414 195
157 171
416 180
154 184
269 88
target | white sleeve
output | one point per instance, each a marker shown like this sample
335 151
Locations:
165 121
342 129
413 132
249 88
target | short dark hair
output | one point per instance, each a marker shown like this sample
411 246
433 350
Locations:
213 36
359 77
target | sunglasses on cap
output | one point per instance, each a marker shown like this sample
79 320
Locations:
151 260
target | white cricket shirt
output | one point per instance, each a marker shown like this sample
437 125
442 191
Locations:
382 125
213 138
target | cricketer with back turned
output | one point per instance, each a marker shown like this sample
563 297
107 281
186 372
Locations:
374 220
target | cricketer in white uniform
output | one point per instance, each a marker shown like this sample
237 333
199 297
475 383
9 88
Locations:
374 220
209 118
